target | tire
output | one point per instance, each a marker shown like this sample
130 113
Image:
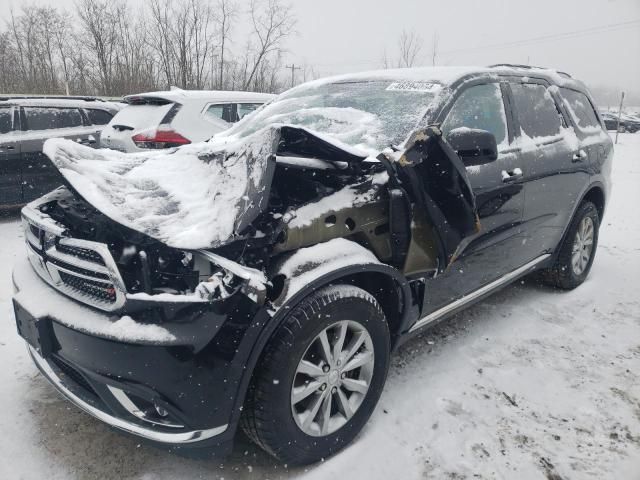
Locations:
564 274
271 418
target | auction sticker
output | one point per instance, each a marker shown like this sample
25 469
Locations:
409 86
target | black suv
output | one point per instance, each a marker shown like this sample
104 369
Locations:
263 279
25 124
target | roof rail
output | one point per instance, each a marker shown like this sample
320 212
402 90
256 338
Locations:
49 97
528 67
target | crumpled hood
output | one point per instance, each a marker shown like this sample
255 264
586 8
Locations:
197 196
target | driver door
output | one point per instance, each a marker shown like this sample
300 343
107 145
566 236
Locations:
499 194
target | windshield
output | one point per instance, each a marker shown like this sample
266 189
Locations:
369 115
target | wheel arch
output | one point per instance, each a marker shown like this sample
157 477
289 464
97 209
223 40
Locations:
382 281
595 195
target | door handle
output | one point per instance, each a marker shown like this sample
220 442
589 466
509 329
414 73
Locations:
511 175
86 141
579 156
7 147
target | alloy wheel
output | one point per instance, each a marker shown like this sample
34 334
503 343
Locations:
332 378
582 246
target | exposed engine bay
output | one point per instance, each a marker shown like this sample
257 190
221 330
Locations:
315 191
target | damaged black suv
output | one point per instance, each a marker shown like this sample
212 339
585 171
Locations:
262 279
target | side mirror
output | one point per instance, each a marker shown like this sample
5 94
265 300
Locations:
475 147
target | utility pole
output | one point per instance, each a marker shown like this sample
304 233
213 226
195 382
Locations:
293 69
619 113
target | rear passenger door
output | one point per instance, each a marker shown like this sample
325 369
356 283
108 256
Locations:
555 166
39 175
582 115
10 176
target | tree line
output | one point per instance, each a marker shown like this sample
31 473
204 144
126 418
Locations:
111 48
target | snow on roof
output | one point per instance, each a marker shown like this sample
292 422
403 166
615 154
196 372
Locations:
208 95
65 102
445 75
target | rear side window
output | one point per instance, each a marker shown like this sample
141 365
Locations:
580 108
247 108
479 107
98 117
46 118
537 111
222 111
5 119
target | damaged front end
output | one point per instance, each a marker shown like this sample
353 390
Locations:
282 190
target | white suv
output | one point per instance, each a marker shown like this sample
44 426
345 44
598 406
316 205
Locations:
177 117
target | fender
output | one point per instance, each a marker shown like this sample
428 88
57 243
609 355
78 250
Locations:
583 194
269 324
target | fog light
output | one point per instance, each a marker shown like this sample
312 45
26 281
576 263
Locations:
160 411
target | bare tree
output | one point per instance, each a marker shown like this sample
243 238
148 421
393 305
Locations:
227 11
272 23
181 34
434 51
385 61
410 45
99 21
104 47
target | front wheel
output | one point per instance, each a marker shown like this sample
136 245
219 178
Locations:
577 251
320 376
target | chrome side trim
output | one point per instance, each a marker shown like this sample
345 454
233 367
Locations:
124 400
157 436
432 317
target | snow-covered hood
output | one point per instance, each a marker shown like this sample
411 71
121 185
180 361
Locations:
197 196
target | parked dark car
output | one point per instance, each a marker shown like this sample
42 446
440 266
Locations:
266 284
25 123
627 122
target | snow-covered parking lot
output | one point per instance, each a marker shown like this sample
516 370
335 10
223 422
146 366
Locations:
529 384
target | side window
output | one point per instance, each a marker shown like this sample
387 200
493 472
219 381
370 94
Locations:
98 117
222 111
479 107
5 119
247 108
580 108
536 109
45 118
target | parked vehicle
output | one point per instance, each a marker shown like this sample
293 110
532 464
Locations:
263 279
25 123
169 119
628 123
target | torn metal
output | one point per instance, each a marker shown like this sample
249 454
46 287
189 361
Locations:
254 203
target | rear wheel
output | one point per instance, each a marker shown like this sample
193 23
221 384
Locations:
577 250
320 376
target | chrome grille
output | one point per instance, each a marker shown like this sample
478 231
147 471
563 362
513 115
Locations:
81 269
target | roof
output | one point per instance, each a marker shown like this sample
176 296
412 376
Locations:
178 95
450 75
60 102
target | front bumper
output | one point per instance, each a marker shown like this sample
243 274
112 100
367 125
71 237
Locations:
195 377
148 433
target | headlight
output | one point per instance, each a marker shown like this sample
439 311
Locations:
222 278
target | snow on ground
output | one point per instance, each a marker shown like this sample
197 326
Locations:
528 384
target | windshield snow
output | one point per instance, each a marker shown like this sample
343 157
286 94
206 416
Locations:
368 115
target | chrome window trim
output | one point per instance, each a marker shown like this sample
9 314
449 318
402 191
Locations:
150 434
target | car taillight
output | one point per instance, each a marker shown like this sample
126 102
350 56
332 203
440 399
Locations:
159 139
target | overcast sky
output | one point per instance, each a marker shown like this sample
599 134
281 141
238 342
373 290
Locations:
594 40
